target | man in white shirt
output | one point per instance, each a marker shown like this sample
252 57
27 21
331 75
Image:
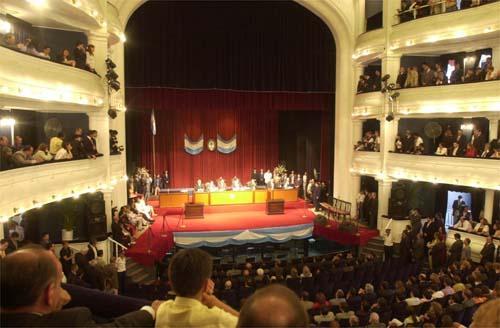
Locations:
195 305
463 224
268 177
388 245
121 269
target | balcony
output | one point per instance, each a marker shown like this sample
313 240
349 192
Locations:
84 15
29 187
368 104
440 32
448 99
35 83
370 45
472 172
367 162
117 166
474 98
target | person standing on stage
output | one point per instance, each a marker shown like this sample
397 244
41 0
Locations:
254 175
156 185
304 185
165 180
268 178
260 178
221 184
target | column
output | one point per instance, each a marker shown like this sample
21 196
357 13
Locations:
384 193
493 130
496 56
390 65
390 9
489 199
99 121
99 39
108 205
357 131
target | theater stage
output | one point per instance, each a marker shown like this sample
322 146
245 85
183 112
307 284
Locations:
222 225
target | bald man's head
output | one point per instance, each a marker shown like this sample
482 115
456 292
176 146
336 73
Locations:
31 278
273 306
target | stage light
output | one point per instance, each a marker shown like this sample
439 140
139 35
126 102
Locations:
467 127
111 75
389 117
110 63
7 122
386 77
5 27
112 113
123 38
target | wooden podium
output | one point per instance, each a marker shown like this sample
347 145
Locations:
193 210
275 206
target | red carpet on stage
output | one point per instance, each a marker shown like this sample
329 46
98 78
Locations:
332 233
156 241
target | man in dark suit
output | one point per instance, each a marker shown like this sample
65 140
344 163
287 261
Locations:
80 55
488 252
456 249
254 176
458 208
457 74
408 142
77 148
478 141
13 243
89 143
461 140
32 295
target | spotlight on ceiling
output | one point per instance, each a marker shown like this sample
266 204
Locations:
386 77
112 113
389 117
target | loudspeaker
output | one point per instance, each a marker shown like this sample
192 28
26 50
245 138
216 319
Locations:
398 203
96 215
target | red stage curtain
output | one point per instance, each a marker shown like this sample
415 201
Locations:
252 116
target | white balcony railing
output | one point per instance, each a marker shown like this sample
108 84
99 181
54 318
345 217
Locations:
28 187
474 24
35 83
370 45
367 162
481 97
472 172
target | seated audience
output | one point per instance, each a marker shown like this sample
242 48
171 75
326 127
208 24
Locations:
38 274
9 41
24 157
64 58
64 153
42 154
463 224
441 150
195 305
56 143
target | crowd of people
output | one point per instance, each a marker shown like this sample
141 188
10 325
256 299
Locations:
131 220
82 56
430 75
367 208
450 144
414 9
337 290
19 154
370 142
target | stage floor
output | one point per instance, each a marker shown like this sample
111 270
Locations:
222 225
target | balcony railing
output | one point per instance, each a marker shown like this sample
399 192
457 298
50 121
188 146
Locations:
32 82
30 187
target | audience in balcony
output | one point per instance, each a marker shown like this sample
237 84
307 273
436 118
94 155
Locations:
42 153
24 157
414 9
370 142
450 145
64 153
83 56
369 82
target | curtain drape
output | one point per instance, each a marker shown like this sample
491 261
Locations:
252 116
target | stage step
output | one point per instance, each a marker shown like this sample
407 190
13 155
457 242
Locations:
139 274
375 246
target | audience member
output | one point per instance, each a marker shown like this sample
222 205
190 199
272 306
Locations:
64 153
274 306
195 305
32 295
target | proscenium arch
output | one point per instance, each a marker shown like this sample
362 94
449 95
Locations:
342 28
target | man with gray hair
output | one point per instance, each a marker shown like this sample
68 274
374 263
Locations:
273 306
374 321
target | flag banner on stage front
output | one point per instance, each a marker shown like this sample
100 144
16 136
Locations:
193 147
153 122
226 146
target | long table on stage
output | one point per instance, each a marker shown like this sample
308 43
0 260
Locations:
178 197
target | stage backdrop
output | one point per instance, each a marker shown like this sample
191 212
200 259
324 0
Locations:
252 116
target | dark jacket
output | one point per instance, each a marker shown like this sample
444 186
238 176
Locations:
74 317
488 253
456 250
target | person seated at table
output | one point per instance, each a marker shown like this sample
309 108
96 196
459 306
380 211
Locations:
463 224
199 187
252 184
235 183
221 184
210 186
482 227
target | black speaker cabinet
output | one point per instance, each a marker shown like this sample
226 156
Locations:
96 216
398 203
